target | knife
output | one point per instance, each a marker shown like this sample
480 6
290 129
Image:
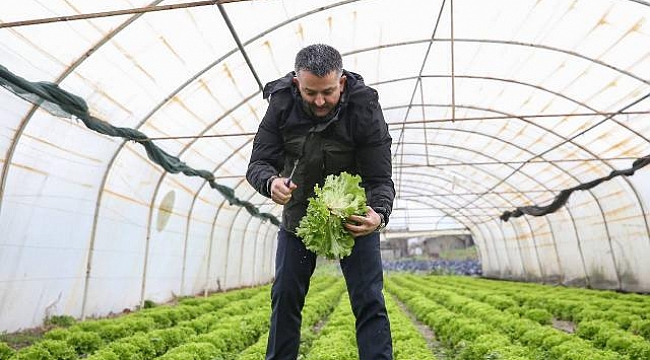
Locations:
288 181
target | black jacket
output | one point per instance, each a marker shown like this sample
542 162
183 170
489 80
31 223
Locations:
355 139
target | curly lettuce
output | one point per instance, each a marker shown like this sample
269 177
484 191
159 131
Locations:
321 229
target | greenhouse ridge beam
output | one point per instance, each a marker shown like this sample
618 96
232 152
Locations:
102 14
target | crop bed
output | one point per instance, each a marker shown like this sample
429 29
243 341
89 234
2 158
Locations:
432 317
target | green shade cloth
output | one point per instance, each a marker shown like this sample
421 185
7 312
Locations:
61 103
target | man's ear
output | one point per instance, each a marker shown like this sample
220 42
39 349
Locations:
295 81
342 82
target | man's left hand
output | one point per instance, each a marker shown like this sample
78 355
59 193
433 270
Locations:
363 225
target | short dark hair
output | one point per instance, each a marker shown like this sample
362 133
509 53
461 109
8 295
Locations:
319 59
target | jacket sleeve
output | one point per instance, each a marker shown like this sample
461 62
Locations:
373 157
267 157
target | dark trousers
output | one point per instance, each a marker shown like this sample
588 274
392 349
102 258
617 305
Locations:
294 265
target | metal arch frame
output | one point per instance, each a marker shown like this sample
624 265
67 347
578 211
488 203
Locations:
578 238
187 146
632 188
237 213
415 87
535 124
160 105
23 124
469 219
334 5
541 271
419 80
349 1
571 216
68 71
500 42
603 215
270 254
546 90
492 137
448 200
28 117
109 168
324 8
191 209
501 140
572 53
639 202
462 222
478 226
146 9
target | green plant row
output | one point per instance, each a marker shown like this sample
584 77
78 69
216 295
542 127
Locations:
336 340
602 324
228 339
465 338
197 330
547 341
325 292
526 331
155 327
408 342
223 334
571 304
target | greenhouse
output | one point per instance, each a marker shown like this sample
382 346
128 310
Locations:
520 137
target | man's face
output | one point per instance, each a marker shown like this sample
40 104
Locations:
320 94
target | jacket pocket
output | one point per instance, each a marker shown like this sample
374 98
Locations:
338 156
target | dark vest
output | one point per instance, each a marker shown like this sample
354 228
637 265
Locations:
322 149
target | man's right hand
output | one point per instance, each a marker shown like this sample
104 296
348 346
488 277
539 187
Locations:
280 192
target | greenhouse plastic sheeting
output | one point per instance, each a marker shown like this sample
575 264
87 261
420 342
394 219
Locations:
492 106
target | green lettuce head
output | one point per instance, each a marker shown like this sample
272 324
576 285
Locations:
321 229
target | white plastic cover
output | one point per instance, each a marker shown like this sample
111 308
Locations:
521 100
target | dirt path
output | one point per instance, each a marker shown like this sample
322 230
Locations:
429 335
566 326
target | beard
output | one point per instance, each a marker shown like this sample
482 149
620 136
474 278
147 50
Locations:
310 110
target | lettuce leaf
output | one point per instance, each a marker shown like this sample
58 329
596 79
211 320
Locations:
321 229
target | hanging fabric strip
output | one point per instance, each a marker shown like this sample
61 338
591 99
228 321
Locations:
563 196
61 103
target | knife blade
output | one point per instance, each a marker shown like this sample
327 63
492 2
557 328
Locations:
293 171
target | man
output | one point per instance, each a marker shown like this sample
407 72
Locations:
327 120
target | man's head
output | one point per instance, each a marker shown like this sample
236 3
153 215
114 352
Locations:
319 78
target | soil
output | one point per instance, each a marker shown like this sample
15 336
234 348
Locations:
566 326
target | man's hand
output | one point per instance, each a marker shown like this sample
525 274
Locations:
363 225
280 192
